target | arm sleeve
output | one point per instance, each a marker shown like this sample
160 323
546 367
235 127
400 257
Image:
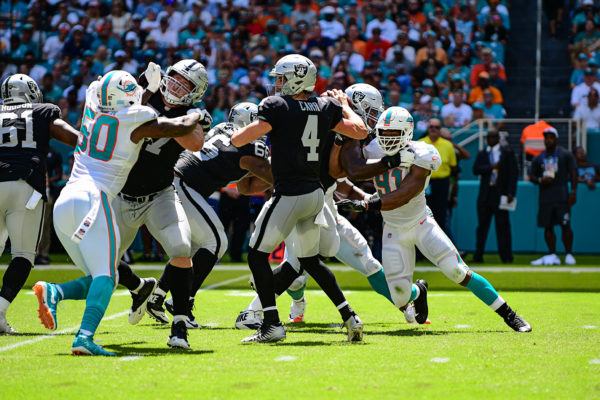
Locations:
267 109
51 112
334 109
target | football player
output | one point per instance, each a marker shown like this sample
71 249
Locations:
26 126
149 197
409 222
298 126
112 132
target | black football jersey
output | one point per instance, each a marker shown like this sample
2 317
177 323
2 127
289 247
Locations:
24 142
300 132
153 170
217 164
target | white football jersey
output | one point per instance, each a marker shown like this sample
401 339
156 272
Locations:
426 156
105 153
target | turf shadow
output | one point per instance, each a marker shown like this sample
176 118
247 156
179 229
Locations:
126 350
306 343
423 332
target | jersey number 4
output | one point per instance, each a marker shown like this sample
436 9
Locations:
310 138
98 135
9 135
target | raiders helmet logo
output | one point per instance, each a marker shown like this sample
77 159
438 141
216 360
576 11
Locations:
357 97
300 70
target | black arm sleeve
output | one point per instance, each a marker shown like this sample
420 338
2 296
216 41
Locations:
269 110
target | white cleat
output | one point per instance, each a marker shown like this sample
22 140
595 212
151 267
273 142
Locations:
297 310
409 314
548 259
570 260
355 328
249 320
267 333
4 326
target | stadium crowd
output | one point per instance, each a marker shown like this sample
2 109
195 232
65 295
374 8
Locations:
440 59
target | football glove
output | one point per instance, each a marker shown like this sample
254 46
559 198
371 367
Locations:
339 139
407 157
373 203
153 76
205 120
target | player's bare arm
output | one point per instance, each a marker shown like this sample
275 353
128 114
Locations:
166 127
412 185
250 133
347 190
193 141
259 167
250 185
63 132
351 124
357 168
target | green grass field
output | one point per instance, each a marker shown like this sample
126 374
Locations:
466 352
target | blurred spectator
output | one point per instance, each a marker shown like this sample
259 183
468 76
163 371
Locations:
377 45
388 28
64 15
490 109
423 114
277 40
457 68
587 172
331 27
354 37
429 89
554 12
303 12
581 91
497 166
354 16
494 7
120 17
431 50
465 21
416 19
192 35
78 88
586 41
348 55
495 79
150 21
552 169
456 114
52 93
483 83
54 44
589 111
176 22
27 43
318 40
495 31
95 19
29 67
456 83
265 49
105 38
165 37
439 183
487 58
199 12
402 45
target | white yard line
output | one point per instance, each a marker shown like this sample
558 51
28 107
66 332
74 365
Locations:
232 267
117 315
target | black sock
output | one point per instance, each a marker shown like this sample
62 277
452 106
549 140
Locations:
180 282
284 275
127 277
504 310
14 278
264 283
204 262
326 280
163 282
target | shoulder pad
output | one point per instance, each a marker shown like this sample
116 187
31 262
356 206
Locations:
426 156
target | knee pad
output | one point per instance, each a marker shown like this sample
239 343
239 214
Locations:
453 267
400 290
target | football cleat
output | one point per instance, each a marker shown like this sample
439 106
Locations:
140 300
355 328
516 322
85 346
267 333
297 310
4 326
155 308
249 319
178 337
47 296
421 308
190 320
409 314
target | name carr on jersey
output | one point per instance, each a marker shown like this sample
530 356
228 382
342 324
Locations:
309 106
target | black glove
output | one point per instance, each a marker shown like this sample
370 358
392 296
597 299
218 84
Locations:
339 139
391 161
360 205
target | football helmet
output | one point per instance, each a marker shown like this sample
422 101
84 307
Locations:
294 74
394 119
366 100
117 90
175 92
20 88
243 114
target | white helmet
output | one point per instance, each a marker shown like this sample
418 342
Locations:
243 114
117 90
394 119
299 72
20 88
367 102
175 92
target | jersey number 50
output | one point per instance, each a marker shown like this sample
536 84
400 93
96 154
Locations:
100 144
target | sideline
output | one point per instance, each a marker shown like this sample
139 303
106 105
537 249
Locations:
117 315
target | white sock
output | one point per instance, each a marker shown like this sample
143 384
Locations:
137 289
85 333
4 305
177 318
160 292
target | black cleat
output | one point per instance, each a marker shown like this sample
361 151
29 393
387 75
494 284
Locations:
517 323
178 337
268 332
140 300
421 308
190 320
155 308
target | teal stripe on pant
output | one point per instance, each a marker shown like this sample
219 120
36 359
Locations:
98 298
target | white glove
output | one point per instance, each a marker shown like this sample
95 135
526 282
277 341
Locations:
153 76
205 120
407 157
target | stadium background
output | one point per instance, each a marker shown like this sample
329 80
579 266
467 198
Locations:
64 45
